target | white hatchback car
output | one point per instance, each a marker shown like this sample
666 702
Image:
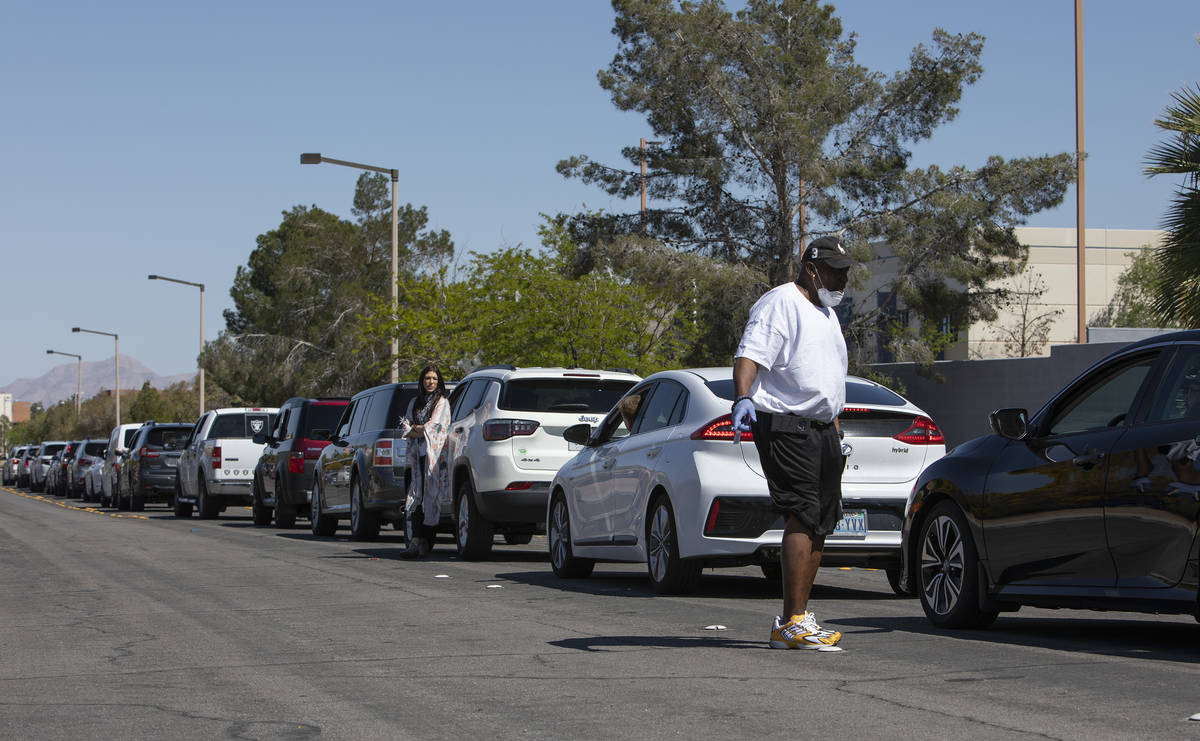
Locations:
661 481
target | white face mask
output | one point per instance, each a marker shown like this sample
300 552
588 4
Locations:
829 299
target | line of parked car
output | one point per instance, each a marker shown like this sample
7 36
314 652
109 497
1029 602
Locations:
1093 501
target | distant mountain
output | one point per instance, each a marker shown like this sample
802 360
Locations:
59 382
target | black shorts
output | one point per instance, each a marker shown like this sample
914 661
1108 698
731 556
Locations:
804 471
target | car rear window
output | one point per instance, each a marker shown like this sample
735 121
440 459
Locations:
241 424
856 393
322 415
52 449
95 448
129 435
160 436
561 394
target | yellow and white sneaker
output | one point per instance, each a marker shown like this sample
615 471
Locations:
802 631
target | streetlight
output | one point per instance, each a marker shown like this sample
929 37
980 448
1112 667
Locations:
78 376
116 361
201 287
315 158
644 143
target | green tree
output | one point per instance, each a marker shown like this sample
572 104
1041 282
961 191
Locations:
1176 288
149 405
772 134
1132 304
296 326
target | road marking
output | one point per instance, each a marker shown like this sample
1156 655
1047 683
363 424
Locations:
68 505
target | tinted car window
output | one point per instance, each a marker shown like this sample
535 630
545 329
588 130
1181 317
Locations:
161 435
96 448
240 424
52 449
377 415
360 413
400 399
321 415
1103 400
469 400
660 407
561 395
1178 395
129 436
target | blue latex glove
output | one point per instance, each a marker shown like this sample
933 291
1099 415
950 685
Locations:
742 410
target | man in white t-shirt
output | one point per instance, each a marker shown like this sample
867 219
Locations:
789 376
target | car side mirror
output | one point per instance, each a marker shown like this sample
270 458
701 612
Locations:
319 433
1010 423
579 434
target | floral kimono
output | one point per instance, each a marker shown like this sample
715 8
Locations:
429 485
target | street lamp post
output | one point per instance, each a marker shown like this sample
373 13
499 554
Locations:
78 376
116 361
315 158
201 287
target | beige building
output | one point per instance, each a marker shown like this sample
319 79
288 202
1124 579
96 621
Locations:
1046 292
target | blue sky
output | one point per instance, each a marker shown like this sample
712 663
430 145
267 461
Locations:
150 137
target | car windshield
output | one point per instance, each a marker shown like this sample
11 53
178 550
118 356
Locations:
562 395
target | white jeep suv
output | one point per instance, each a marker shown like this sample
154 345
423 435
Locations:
505 444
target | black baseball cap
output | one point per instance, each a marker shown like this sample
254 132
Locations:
831 250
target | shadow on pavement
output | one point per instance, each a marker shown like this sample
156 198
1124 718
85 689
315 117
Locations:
603 643
1135 639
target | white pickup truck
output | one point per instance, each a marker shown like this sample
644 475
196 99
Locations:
217 464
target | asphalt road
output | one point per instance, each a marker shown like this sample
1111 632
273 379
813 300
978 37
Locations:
123 626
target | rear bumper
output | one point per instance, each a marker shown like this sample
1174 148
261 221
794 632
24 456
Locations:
231 489
526 506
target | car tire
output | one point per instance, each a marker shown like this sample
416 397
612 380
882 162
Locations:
206 506
669 574
122 501
322 524
558 536
182 509
947 576
518 538
364 524
472 533
285 510
260 514
137 503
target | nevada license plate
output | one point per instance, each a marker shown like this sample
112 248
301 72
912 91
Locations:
852 525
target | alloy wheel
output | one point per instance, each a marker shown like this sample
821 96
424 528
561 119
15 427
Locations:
658 549
942 565
560 534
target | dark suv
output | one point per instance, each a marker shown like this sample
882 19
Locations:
149 468
360 475
283 479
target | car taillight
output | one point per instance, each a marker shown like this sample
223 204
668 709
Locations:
146 452
922 431
519 486
721 429
502 429
296 461
383 452
711 523
216 456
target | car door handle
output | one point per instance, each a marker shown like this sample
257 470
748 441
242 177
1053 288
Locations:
1088 459
653 452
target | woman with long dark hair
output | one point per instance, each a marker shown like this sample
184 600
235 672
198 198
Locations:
429 418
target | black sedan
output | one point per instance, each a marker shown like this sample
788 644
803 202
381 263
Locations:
1093 502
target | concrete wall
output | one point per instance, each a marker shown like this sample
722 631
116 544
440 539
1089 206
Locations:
974 388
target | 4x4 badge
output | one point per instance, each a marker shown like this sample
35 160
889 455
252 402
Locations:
585 418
